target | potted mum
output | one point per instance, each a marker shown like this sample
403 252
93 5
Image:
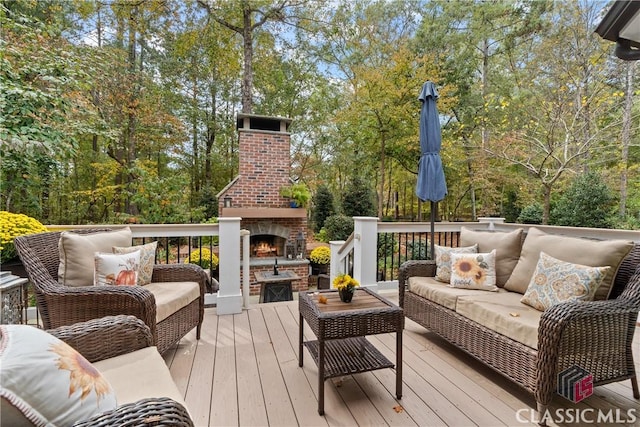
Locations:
320 258
205 259
13 225
346 286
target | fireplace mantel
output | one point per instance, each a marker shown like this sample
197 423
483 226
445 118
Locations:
264 212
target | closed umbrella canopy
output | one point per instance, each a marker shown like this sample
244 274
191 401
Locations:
431 183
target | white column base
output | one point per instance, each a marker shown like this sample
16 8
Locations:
229 304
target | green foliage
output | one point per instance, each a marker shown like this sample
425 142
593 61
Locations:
298 192
358 199
511 210
531 214
588 202
339 227
418 250
321 236
323 207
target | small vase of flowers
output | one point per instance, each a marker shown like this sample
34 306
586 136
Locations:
345 285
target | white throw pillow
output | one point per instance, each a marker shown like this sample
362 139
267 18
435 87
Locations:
147 260
443 260
46 381
76 253
116 269
474 271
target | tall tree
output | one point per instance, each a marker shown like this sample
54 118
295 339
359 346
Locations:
245 18
551 112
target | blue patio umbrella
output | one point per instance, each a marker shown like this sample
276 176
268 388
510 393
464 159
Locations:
431 183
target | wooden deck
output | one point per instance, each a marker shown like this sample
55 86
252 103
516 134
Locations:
244 372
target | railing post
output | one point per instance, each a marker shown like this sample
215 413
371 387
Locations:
245 268
365 251
229 295
335 267
492 221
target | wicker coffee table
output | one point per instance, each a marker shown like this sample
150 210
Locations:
341 347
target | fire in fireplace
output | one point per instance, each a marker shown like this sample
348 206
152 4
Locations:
264 246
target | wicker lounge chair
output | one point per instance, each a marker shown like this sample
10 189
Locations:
63 305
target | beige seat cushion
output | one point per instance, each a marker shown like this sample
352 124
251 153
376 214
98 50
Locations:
441 293
172 296
594 253
503 313
139 375
76 253
506 244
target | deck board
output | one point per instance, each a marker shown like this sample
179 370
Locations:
244 372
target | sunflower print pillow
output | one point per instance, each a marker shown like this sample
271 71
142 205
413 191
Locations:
443 260
555 281
48 381
474 271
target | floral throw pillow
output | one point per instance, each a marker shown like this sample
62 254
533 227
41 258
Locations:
46 381
555 281
443 260
474 271
147 259
116 269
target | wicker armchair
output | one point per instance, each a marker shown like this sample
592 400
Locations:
63 305
101 339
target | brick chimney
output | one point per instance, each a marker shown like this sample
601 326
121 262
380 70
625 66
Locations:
254 195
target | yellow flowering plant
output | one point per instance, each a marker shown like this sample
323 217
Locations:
345 282
204 258
320 255
13 225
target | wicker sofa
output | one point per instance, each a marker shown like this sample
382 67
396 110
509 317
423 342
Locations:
121 349
596 336
171 306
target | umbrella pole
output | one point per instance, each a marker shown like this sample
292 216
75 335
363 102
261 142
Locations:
433 220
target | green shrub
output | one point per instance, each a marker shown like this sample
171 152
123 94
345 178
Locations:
358 199
323 207
531 214
339 227
588 202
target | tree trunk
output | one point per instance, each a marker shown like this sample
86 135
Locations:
382 171
247 77
131 116
547 204
626 138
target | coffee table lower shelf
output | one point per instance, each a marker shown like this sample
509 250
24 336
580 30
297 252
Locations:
348 356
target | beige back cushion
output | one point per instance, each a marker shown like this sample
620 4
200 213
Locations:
506 244
594 253
76 253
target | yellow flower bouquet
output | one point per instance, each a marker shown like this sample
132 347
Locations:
345 285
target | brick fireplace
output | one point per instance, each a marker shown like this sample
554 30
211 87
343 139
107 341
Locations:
277 230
